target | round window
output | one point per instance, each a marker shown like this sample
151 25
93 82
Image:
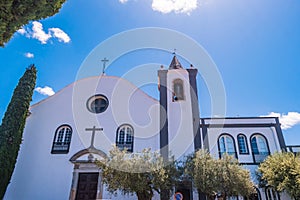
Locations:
97 103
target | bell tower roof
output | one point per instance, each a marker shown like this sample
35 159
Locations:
175 64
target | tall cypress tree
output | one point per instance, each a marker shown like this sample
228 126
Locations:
11 129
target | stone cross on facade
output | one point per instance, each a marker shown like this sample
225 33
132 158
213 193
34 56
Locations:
105 60
94 129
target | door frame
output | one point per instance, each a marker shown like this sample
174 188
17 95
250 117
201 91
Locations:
87 167
84 162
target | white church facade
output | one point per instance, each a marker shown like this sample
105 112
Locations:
66 132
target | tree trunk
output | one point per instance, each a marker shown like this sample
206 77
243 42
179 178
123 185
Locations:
211 197
144 195
202 196
164 195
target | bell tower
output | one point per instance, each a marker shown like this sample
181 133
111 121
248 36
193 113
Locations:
179 111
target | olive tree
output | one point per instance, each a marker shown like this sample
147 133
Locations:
232 178
223 176
282 172
140 173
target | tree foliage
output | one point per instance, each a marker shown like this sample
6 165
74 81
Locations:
218 176
200 167
233 179
16 13
140 173
12 126
282 172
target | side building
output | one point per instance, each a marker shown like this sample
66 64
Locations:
249 139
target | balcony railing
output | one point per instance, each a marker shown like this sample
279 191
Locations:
293 148
122 146
60 147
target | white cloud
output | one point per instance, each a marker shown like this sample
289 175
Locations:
123 1
48 91
37 32
177 6
22 31
60 35
167 6
29 55
287 120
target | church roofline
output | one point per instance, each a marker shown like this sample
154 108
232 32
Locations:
87 78
175 64
211 118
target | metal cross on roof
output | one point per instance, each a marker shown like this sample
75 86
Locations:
174 52
105 60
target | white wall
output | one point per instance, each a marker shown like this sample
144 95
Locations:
213 134
180 118
41 175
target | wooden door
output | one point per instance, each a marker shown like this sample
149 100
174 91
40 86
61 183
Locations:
87 186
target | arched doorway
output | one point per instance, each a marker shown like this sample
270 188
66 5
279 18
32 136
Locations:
87 179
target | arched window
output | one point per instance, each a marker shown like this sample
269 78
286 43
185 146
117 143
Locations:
124 138
259 147
242 143
271 194
178 93
226 145
62 140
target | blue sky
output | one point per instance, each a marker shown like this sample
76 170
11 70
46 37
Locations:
255 45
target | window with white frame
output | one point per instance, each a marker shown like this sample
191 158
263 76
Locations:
226 145
125 137
62 140
242 144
